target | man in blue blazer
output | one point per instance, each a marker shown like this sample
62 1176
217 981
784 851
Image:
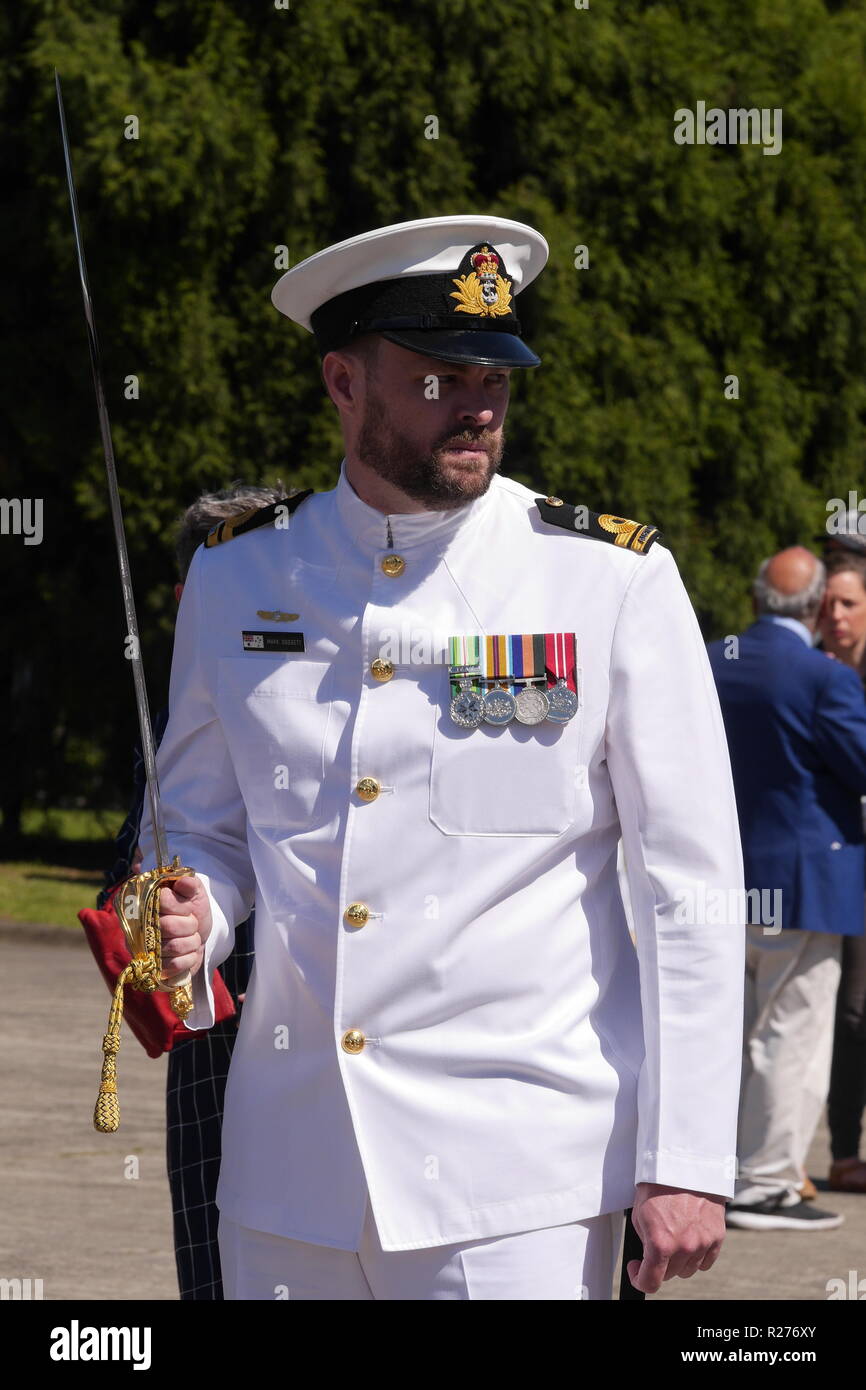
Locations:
796 727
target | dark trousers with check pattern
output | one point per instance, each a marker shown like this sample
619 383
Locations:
197 1071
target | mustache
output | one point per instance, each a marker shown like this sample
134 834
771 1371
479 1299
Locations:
482 437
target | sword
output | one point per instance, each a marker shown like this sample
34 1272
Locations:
137 902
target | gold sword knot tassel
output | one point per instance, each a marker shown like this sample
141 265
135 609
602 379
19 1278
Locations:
137 907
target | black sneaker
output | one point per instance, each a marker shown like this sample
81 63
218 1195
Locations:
779 1213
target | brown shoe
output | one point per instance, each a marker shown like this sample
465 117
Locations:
847 1175
808 1192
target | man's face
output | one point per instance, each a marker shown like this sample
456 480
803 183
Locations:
433 428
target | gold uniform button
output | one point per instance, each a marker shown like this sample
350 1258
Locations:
393 565
368 788
356 914
554 501
354 1040
381 670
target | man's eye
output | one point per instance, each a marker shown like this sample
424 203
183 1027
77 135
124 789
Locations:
500 379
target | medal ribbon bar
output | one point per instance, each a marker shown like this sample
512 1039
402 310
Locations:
512 660
464 656
560 658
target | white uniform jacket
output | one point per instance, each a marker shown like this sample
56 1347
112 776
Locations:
522 1064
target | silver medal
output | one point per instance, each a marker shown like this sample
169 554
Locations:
467 707
563 703
499 706
531 705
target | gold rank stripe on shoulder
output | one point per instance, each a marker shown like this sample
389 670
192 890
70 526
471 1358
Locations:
601 526
257 516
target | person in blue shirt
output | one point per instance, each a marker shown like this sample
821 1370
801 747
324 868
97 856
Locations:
796 728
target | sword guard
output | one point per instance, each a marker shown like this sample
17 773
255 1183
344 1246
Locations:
137 908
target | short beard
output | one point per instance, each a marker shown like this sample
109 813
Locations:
420 474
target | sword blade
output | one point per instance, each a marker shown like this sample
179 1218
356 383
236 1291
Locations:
145 728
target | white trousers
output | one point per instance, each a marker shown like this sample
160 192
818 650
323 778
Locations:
791 983
576 1260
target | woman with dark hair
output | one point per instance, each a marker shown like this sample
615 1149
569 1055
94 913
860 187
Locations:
842 626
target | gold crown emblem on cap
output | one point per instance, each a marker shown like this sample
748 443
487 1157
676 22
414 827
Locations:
483 291
485 261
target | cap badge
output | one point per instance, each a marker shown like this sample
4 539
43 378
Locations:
483 291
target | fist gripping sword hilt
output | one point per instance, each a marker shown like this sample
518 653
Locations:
137 906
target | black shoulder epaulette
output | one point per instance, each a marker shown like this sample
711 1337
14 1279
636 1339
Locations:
256 516
601 526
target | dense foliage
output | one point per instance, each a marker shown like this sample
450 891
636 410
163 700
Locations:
261 126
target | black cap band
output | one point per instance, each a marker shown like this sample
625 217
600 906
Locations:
412 301
476 298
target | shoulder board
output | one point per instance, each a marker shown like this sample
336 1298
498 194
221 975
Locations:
601 526
257 516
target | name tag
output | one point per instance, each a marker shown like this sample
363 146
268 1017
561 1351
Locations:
273 641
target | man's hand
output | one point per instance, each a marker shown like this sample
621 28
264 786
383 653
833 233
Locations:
682 1232
185 921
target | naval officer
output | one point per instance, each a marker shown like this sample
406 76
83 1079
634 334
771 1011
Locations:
412 718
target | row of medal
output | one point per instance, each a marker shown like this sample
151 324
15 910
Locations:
542 664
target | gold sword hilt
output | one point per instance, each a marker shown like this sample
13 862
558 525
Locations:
137 907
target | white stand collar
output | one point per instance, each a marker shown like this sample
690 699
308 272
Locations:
370 527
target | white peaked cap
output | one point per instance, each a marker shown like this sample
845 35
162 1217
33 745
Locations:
420 310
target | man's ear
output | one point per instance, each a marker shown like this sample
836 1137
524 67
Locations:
342 374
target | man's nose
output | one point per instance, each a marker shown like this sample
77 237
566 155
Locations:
475 410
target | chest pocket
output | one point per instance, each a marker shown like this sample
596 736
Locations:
275 714
515 779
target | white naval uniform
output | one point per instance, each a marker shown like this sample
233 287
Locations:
523 1066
